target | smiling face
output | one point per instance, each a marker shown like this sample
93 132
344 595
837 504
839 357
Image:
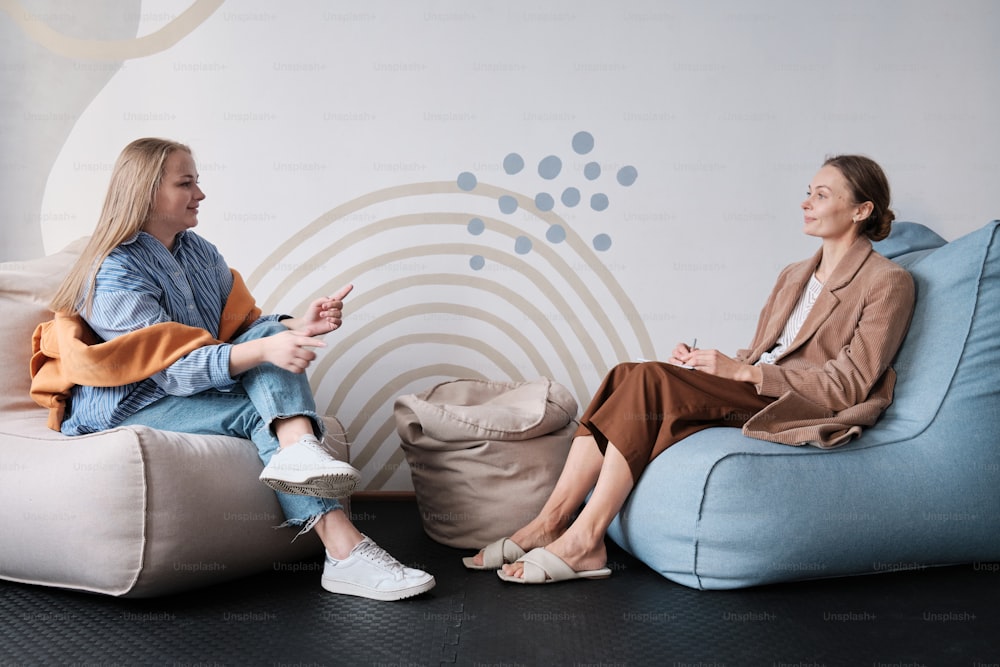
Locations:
829 209
175 205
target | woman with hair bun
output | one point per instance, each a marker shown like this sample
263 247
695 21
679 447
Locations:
817 372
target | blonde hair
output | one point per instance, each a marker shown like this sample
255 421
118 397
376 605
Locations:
135 180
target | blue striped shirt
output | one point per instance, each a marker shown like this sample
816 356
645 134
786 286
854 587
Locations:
141 283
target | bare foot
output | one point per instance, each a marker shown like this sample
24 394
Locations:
578 553
538 533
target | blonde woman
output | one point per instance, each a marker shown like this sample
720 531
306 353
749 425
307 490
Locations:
147 281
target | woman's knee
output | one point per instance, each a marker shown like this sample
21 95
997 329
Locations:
261 330
621 370
644 379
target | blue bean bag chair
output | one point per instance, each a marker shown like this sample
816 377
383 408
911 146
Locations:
921 488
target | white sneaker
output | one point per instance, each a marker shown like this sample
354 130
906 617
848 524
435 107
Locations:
370 572
307 469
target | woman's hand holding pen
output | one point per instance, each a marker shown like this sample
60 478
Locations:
714 362
681 352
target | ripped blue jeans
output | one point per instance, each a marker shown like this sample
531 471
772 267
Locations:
262 395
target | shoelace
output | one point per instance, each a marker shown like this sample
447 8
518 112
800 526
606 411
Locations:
322 451
379 556
314 446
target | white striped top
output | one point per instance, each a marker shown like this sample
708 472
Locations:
795 321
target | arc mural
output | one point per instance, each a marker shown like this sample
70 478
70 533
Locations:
545 302
36 28
652 193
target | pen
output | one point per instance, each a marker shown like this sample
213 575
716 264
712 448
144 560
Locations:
693 344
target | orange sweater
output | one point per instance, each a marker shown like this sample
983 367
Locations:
65 352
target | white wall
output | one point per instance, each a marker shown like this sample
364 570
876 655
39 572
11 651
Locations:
331 138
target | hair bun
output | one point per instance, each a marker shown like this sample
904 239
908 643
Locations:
880 228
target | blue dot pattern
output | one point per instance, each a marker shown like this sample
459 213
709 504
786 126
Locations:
556 234
551 167
476 226
583 143
467 181
627 176
513 164
507 204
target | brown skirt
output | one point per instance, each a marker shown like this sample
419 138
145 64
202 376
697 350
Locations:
644 408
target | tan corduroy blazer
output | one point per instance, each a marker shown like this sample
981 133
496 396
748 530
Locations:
836 377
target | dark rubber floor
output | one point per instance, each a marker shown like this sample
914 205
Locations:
944 616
